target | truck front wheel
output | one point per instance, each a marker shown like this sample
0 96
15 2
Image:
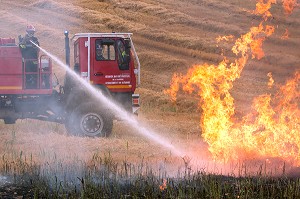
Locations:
90 120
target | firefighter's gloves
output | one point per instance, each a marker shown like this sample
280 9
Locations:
27 46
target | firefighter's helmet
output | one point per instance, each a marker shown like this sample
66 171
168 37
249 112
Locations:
30 30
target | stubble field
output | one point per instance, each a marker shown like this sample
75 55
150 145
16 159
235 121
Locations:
170 37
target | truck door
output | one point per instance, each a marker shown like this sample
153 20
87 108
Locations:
31 74
108 65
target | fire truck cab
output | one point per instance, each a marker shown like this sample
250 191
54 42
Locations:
105 60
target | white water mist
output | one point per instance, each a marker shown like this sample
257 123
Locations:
129 118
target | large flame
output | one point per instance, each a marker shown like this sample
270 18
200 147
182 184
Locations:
271 130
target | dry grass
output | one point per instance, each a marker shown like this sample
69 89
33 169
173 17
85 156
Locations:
170 36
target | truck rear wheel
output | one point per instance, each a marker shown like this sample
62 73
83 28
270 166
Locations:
90 120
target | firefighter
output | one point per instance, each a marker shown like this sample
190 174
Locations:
122 51
30 55
29 37
123 57
29 50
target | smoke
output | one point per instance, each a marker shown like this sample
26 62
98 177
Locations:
3 180
120 112
45 143
130 119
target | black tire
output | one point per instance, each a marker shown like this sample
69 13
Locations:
9 120
90 120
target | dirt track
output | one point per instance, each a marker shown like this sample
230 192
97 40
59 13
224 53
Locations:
170 37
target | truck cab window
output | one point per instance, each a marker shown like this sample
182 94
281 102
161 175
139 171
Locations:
123 56
76 57
105 50
76 52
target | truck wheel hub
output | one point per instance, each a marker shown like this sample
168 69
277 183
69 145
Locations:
92 124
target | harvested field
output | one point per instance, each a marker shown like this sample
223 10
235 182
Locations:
170 37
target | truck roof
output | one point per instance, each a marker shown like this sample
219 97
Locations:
121 35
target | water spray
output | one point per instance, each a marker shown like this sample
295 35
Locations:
145 131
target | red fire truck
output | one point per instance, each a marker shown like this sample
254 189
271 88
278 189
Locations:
106 60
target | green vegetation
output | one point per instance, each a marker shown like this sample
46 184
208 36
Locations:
102 177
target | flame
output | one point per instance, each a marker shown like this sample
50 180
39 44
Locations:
288 99
164 185
213 83
270 130
277 129
263 8
271 80
289 6
224 38
174 87
285 35
254 39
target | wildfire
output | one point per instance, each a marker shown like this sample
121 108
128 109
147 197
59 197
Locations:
289 6
271 130
254 39
263 8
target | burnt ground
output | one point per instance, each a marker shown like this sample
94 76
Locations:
16 191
